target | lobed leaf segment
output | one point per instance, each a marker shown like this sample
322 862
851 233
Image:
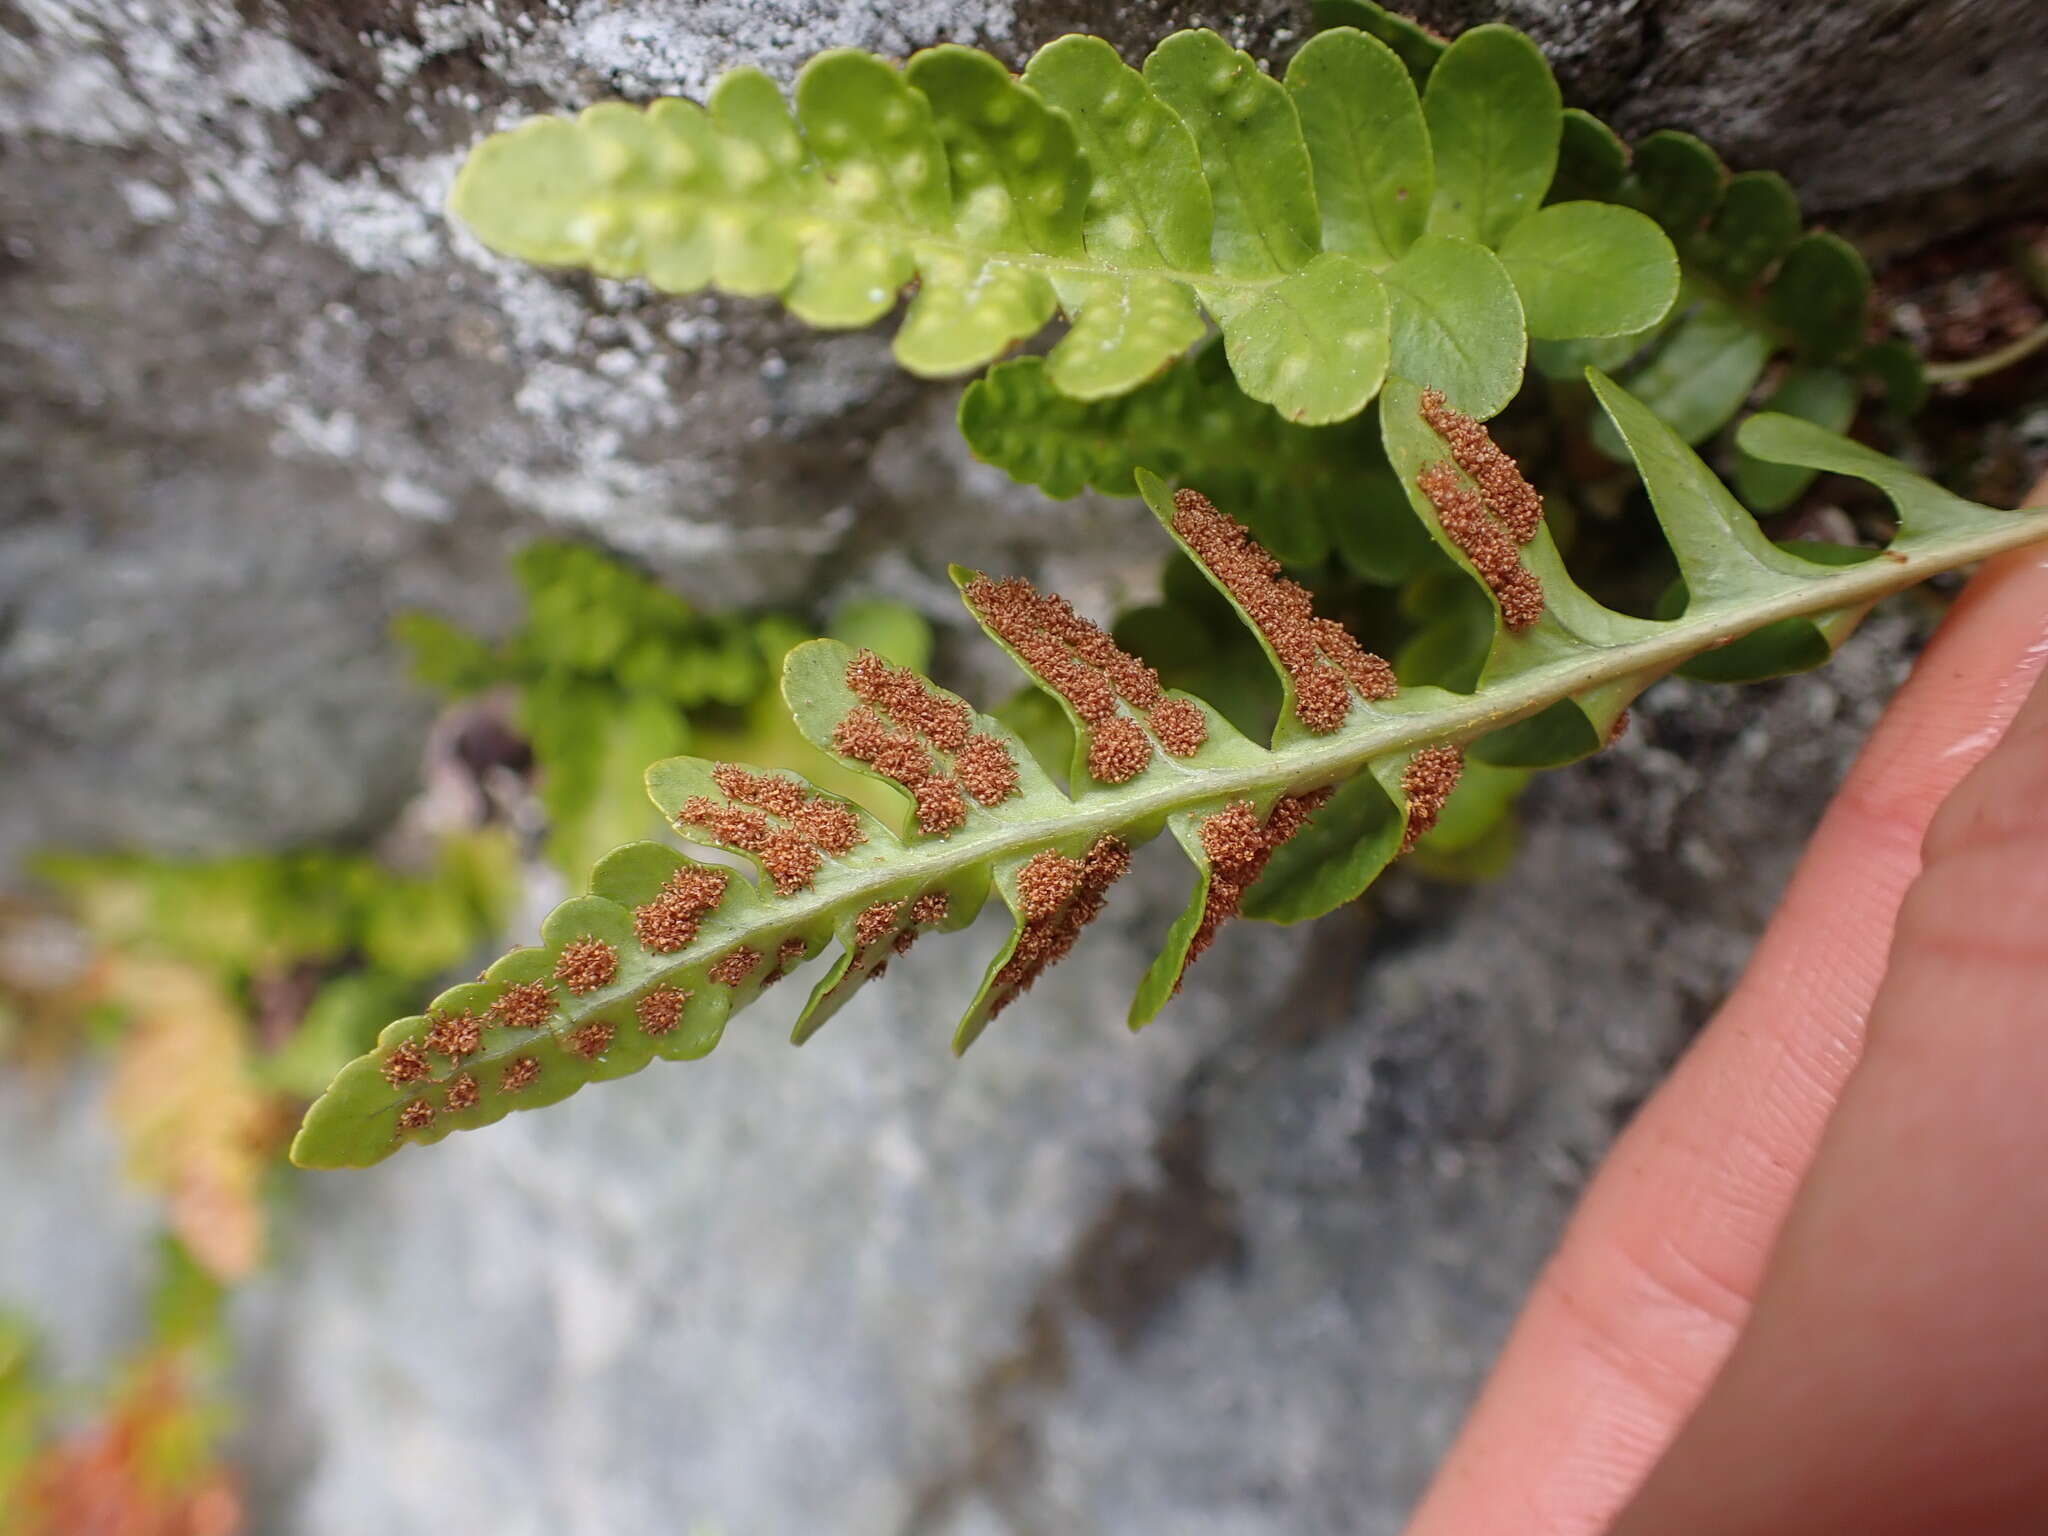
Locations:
1336 225
665 947
1756 287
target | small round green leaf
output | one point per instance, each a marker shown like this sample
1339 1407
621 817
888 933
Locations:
1314 346
1825 396
1591 160
1755 225
1363 122
1494 117
1249 138
1414 45
1699 378
1457 323
1590 269
1677 180
1821 295
1900 372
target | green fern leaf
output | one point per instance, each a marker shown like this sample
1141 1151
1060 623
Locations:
664 948
1368 145
1134 202
1590 269
1495 117
1458 320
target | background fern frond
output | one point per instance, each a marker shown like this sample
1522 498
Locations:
1309 218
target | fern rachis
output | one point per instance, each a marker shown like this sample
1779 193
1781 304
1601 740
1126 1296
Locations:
664 949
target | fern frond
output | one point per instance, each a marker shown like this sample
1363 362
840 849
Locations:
1309 218
1301 490
665 948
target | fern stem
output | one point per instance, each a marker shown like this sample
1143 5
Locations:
1963 370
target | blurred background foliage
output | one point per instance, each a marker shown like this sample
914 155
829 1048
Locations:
148 1460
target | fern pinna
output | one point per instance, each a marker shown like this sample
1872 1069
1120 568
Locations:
665 948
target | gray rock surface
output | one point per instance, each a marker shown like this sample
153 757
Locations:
1859 102
1238 1276
76 1240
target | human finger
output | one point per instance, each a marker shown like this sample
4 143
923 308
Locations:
1893 1377
1653 1278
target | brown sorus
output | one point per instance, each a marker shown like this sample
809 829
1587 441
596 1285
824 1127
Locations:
416 1116
827 825
696 888
1238 845
986 769
670 921
909 700
664 927
866 737
587 964
463 1094
733 967
1073 656
819 820
1047 882
592 1039
984 764
1486 543
454 1035
661 1010
875 923
1323 661
1059 897
524 1005
1427 783
790 859
519 1074
1508 496
1117 751
1180 727
941 808
405 1064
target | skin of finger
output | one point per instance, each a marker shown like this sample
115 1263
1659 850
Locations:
1652 1280
1894 1374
